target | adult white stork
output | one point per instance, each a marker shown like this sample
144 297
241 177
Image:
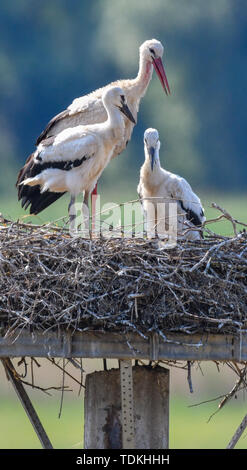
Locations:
157 185
89 109
73 160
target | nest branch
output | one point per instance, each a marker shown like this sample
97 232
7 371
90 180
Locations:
50 280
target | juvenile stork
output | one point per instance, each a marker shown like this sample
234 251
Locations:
157 185
89 109
73 160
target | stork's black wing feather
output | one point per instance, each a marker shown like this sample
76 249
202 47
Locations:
40 201
50 125
31 195
191 215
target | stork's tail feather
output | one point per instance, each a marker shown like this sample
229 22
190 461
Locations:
31 196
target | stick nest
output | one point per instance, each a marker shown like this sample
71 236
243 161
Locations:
49 280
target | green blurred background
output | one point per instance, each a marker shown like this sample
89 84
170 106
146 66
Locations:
190 426
52 51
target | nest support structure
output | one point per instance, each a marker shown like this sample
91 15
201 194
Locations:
131 288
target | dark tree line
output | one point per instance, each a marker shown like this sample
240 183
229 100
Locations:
54 50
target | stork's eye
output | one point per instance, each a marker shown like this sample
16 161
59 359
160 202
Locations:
152 51
122 98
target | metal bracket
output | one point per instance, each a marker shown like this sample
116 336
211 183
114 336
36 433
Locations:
27 405
154 347
128 422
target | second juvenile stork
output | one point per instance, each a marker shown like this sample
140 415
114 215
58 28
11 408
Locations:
73 160
158 186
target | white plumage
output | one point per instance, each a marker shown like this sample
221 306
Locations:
89 109
73 160
158 185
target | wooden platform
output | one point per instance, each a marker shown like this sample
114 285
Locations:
175 346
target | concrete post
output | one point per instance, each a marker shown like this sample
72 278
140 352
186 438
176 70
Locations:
102 425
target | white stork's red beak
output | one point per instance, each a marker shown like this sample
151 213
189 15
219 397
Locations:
159 68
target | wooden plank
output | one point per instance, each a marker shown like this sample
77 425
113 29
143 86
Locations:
173 346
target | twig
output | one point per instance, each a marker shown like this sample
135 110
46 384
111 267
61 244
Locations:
238 433
189 377
65 371
210 400
229 217
214 249
62 394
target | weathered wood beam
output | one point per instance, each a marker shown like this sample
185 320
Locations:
27 404
103 418
176 346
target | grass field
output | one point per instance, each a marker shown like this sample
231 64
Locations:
236 205
188 426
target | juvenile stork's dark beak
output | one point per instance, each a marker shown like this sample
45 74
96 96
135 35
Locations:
125 110
159 69
151 152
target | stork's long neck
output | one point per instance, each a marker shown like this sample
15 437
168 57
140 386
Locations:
154 175
144 75
115 121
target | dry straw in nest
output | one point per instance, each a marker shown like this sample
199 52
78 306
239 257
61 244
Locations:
49 279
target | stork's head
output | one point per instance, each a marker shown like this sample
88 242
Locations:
152 51
115 96
152 146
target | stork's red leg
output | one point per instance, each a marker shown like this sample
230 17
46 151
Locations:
93 206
